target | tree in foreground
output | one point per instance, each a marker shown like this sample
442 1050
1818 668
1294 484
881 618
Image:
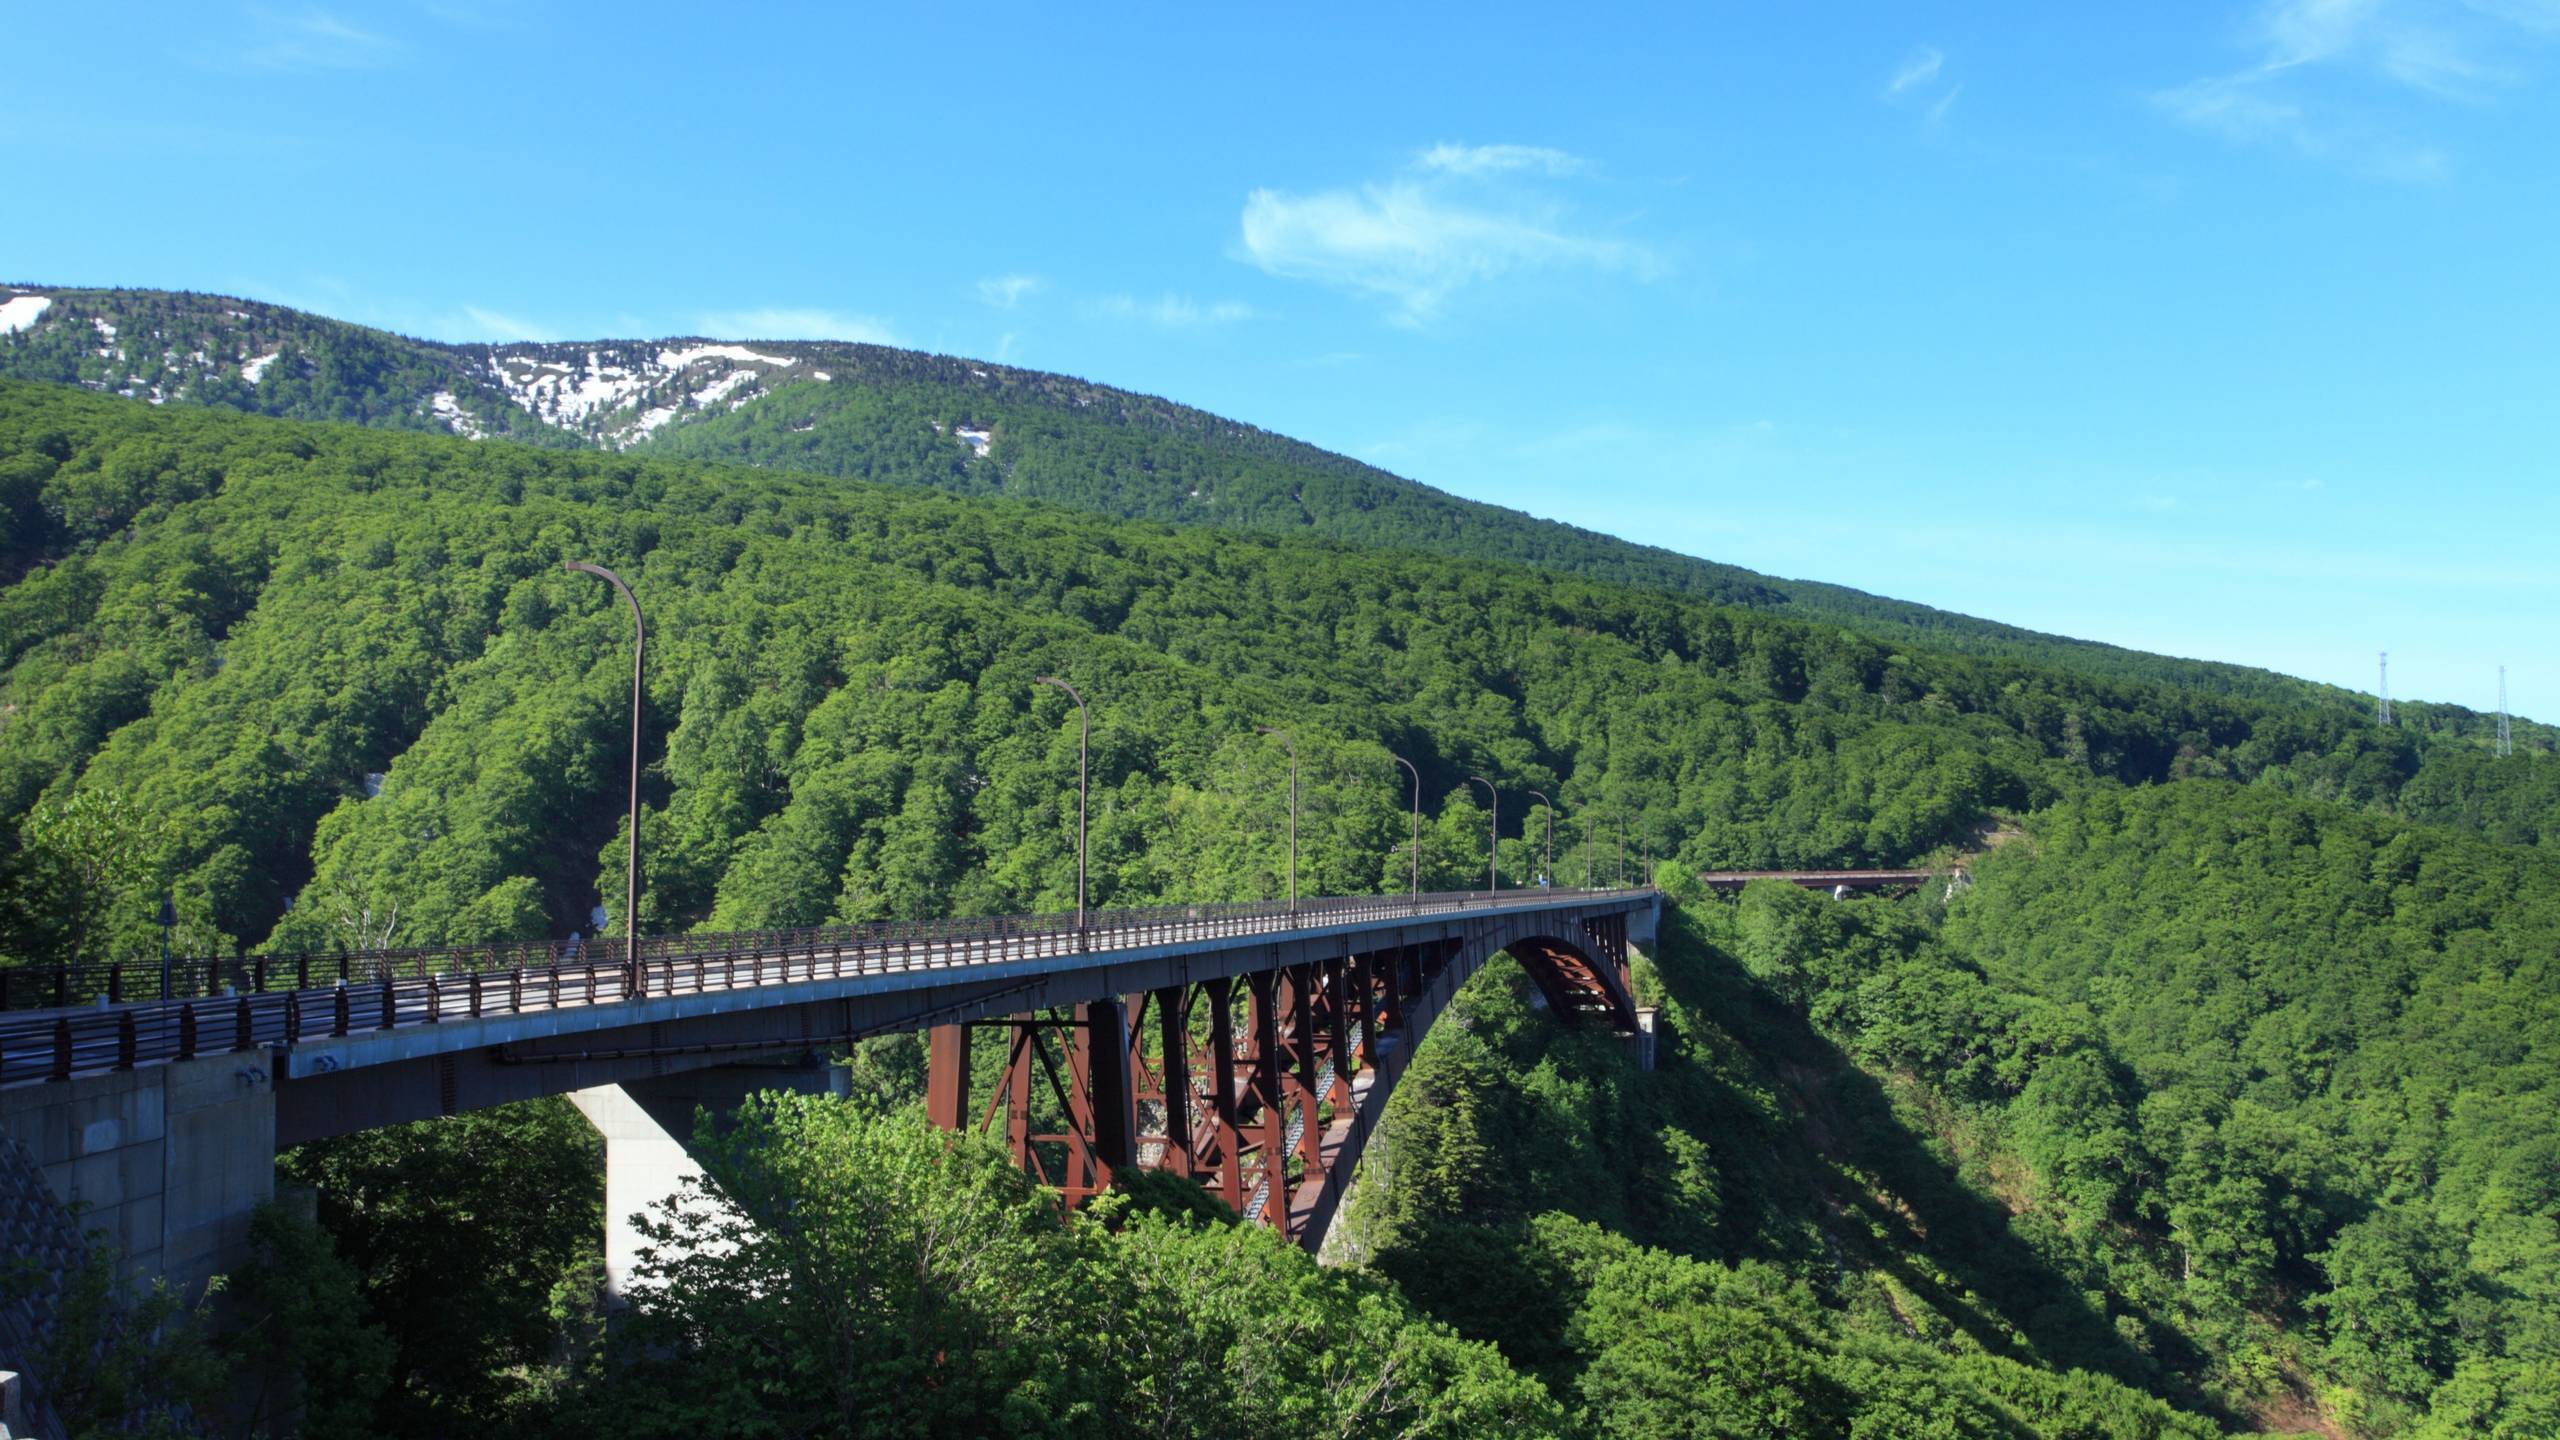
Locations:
858 1273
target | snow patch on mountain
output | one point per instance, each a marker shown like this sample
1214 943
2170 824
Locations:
718 390
618 395
253 371
978 440
20 311
448 408
678 359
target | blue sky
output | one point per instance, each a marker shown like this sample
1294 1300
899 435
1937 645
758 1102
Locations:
2219 329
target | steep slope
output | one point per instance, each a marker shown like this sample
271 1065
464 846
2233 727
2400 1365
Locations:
328 686
324 651
875 413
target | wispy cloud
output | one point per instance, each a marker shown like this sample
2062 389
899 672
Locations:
491 325
312 39
2245 110
2431 52
1420 237
1006 291
1920 83
1497 159
470 17
795 323
1171 312
1917 70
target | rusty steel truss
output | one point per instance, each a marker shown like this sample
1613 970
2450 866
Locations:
1261 1087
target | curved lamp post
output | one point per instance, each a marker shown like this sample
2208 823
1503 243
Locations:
1293 809
1547 872
631 978
1084 745
1493 836
1417 821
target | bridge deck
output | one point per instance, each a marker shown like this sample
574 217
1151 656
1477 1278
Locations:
1819 879
271 1001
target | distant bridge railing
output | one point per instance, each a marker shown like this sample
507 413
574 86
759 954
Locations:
1827 879
79 1020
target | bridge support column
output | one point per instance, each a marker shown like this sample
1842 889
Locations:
1169 1083
647 1127
1226 1100
1082 1061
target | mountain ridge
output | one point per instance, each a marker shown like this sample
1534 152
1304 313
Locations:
861 410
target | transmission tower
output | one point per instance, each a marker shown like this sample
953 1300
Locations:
2506 740
2382 705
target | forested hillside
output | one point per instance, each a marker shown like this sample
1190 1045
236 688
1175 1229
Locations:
2222 1099
345 665
875 413
2244 1100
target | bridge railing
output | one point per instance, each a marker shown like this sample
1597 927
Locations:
92 1022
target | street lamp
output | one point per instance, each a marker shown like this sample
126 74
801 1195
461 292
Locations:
631 980
1547 869
1084 740
168 922
1588 821
1622 849
1293 811
1493 836
1417 821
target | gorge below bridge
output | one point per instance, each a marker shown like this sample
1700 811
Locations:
1250 1047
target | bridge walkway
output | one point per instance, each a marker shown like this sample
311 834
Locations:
264 1002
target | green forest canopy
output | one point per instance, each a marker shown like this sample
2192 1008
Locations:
245 628
894 416
2231 1079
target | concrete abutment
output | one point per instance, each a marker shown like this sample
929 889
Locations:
166 1163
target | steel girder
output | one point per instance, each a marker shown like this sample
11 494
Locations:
1261 1088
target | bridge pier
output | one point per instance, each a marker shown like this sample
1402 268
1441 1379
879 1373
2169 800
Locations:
647 1127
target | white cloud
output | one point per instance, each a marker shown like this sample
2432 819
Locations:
1408 243
790 323
492 326
2244 109
2532 14
1171 312
2427 50
1497 159
1920 69
1920 82
1006 291
313 39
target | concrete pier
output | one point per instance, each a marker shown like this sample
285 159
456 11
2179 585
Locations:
647 1127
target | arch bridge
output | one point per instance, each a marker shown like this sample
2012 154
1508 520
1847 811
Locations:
1250 1047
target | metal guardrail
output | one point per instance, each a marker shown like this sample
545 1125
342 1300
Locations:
86 1024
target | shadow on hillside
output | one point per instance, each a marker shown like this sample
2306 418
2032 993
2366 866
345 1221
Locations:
1892 1202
